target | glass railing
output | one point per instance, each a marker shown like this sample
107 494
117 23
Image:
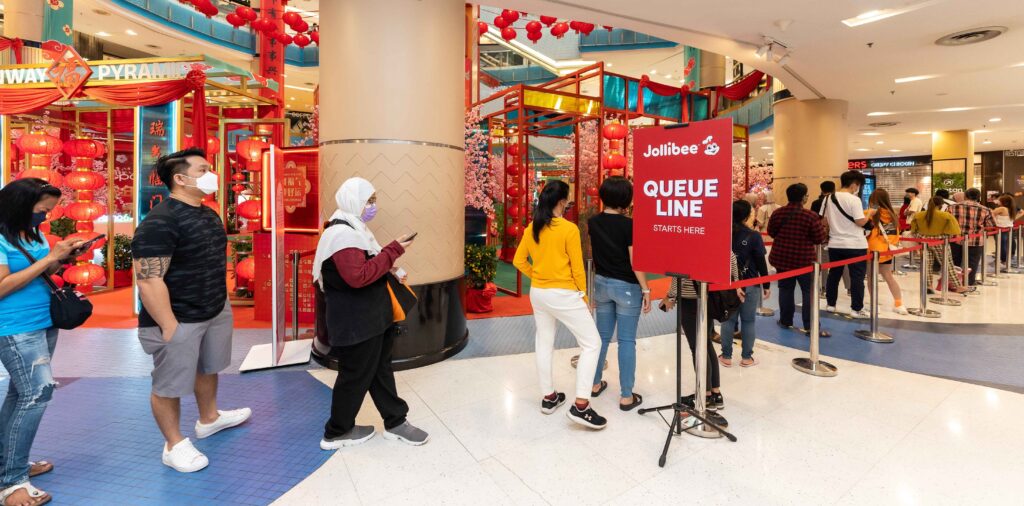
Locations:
620 40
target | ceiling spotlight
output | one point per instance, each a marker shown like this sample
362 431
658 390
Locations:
784 59
901 80
955 109
921 133
764 49
863 149
880 113
871 134
766 147
895 150
880 142
987 142
102 34
995 120
653 72
131 32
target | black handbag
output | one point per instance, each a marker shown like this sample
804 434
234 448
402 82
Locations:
722 304
68 308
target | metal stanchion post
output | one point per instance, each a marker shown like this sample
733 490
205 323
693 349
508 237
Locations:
996 272
964 264
1010 269
296 256
873 334
911 264
984 260
765 311
945 300
811 365
821 282
701 369
923 311
1020 247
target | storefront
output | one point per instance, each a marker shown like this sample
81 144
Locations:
896 175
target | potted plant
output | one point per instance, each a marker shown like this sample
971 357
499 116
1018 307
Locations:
122 260
481 268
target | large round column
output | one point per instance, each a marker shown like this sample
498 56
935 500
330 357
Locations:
953 154
24 19
392 111
810 143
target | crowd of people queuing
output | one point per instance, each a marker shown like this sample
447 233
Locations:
186 321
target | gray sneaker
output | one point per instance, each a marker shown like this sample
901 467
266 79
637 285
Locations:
407 434
358 435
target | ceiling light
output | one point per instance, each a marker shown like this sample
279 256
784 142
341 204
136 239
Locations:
987 142
784 59
880 113
771 153
922 133
955 109
863 149
102 34
980 131
300 88
995 120
131 32
895 150
761 51
769 54
878 15
880 142
766 147
901 80
871 134
609 65
293 98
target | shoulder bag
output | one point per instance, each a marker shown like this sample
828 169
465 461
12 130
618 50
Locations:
68 308
722 304
867 226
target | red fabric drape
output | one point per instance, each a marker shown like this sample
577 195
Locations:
740 89
14 45
19 100
663 89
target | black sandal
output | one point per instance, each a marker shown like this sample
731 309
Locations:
604 385
637 400
822 333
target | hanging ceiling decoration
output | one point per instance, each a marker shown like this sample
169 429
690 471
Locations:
505 23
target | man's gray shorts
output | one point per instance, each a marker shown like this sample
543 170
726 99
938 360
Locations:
203 348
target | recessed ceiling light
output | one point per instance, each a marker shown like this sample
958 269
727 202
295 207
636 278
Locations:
987 142
880 113
770 153
995 120
981 131
895 150
131 32
922 133
765 147
293 98
654 72
878 15
863 149
609 65
102 34
880 142
955 109
871 134
901 80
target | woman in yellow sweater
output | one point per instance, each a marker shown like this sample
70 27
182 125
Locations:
558 287
936 224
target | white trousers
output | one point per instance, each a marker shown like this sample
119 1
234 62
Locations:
552 305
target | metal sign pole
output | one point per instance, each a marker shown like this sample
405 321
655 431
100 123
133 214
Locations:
873 334
701 355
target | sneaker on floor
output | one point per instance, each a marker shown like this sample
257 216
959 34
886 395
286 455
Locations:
830 309
860 315
408 434
900 310
587 418
549 406
717 400
709 404
184 457
717 419
226 420
358 435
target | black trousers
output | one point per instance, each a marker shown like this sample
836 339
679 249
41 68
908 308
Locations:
365 367
689 307
858 271
973 260
787 300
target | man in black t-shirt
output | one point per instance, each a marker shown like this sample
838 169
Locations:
185 322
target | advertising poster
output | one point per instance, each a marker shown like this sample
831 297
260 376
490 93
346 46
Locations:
949 175
682 214
156 136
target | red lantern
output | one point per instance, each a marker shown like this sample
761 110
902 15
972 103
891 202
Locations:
291 17
481 27
614 144
315 36
614 161
212 204
283 38
512 169
514 211
508 33
50 176
55 214
548 20
246 269
615 131
513 191
84 226
209 10
212 145
606 27
534 26
84 211
39 144
515 230
559 29
238 176
234 20
251 149
84 274
52 240
586 28
246 13
238 188
86 195
592 192
513 149
85 180
84 148
300 27
500 22
44 227
510 16
263 25
575 25
250 209
57 280
301 40
534 36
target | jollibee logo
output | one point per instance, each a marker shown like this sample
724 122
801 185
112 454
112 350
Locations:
710 147
672 149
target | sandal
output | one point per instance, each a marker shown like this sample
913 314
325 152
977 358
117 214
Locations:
725 361
822 333
36 497
604 385
752 363
637 400
37 468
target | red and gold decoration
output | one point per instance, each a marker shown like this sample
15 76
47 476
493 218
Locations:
614 162
40 147
85 210
505 23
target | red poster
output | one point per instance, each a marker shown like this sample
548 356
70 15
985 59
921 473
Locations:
263 287
682 200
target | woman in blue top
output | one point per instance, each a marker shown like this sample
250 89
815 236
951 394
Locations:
750 253
26 337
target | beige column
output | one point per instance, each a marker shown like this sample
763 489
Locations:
392 111
810 143
712 69
24 19
953 151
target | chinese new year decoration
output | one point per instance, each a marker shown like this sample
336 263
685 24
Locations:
85 210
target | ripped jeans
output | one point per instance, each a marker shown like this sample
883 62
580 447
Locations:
27 359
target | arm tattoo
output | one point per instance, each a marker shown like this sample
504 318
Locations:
149 268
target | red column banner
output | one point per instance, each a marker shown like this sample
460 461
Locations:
683 199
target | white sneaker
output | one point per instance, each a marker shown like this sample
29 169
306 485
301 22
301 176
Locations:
184 457
860 315
830 309
900 310
226 420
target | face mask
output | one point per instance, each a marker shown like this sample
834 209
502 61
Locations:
38 219
368 213
906 200
207 183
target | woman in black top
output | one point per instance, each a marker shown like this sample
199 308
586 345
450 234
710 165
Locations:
750 253
620 293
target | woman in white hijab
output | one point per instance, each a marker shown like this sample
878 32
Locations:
351 269
764 213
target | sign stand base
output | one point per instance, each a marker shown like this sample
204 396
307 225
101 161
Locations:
261 356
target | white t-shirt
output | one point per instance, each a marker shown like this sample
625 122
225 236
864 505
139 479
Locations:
916 205
843 233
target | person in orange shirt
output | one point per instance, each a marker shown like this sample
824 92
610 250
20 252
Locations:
884 234
558 294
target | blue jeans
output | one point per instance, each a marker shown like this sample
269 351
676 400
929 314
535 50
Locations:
747 313
618 303
27 359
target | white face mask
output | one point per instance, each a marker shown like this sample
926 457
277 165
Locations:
208 183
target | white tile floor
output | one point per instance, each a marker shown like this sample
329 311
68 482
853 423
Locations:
868 436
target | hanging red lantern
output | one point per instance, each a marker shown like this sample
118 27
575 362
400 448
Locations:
82 180
300 27
513 149
534 36
86 195
615 144
234 20
575 25
534 26
50 176
85 226
51 239
246 269
57 280
84 148
212 145
515 211
301 40
548 20
614 161
615 131
315 36
510 16
513 191
559 29
39 144
592 192
481 27
500 22
251 149
283 38
515 230
84 211
586 28
55 214
508 33
212 204
291 17
246 13
263 25
238 188
238 176
512 169
606 27
84 274
250 209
